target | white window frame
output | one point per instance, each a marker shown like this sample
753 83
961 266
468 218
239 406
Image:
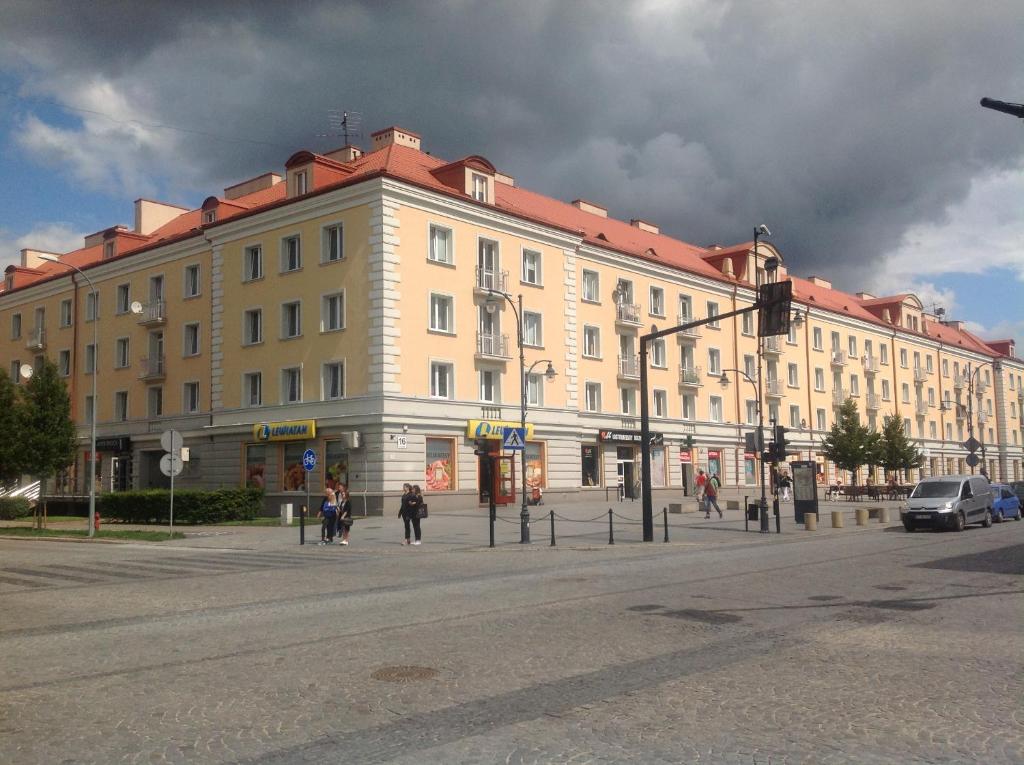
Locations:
713 311
883 354
449 314
886 391
819 379
478 187
155 393
187 352
186 404
248 260
592 396
627 400
653 307
587 330
89 367
191 268
325 311
660 399
286 309
713 402
538 269
596 298
750 411
747 325
67 317
247 399
494 377
817 339
449 259
63 362
325 243
246 325
689 407
92 305
122 353
121 406
325 380
659 354
449 379
535 390
822 419
537 341
794 415
285 379
793 375
286 254
715 367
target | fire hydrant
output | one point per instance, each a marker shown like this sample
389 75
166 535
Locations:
96 521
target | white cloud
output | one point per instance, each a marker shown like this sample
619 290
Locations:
49 237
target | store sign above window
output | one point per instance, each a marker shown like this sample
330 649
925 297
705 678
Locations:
114 444
493 428
294 430
628 437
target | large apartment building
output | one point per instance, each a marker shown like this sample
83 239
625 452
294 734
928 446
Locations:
343 305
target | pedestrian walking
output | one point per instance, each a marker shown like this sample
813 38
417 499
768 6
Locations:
410 514
711 487
700 483
329 517
344 515
785 483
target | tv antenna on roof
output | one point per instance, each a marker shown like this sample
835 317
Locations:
344 124
938 310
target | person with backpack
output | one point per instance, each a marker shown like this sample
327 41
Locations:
711 488
329 515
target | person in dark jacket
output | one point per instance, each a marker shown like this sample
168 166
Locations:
410 513
344 514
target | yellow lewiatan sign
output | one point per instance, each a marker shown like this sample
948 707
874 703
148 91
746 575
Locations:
294 430
493 428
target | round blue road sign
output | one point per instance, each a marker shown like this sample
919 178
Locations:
309 459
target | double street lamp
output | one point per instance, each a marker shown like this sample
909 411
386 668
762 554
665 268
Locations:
491 305
95 373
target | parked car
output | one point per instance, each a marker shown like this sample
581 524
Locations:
1005 504
1017 487
948 502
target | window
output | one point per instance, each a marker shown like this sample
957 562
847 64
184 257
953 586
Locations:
16 326
332 245
658 356
256 466
301 182
121 353
489 386
65 316
689 407
928 364
532 334
190 344
852 345
903 357
92 306
854 385
63 363
714 361
931 397
816 339
715 409
793 373
750 366
885 390
531 266
685 309
535 390
209 216
90 407
441 311
657 301
190 397
713 311
906 427
591 464
931 429
252 389
253 329
883 353
794 416
253 262
906 393
293 477
837 343
121 405
332 312
660 403
192 283
442 379
291 253
90 359
333 380
592 342
291 319
440 244
593 397
155 401
751 412
291 385
479 187
791 337
773 413
868 348
819 379
627 400
591 287
822 422
748 324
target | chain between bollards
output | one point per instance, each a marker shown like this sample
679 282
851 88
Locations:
552 514
664 514
611 530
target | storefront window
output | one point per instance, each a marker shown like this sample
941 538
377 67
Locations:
336 464
256 467
658 466
589 458
294 473
749 469
536 475
440 465
715 465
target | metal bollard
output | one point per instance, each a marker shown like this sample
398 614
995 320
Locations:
837 519
664 513
811 521
302 524
552 528
611 531
862 516
883 515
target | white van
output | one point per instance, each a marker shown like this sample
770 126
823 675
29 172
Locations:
948 502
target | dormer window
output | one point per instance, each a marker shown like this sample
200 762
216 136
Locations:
301 182
479 187
108 250
209 216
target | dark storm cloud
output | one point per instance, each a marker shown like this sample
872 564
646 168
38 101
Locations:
839 125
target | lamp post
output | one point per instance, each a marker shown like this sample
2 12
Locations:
971 376
95 374
770 266
491 304
724 382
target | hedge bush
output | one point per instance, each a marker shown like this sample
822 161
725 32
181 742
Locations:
190 506
14 507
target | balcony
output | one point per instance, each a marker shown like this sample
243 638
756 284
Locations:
870 364
492 346
153 313
839 358
490 281
687 335
689 377
628 314
153 368
771 346
921 408
982 418
629 366
873 402
839 396
920 374
773 388
36 340
959 382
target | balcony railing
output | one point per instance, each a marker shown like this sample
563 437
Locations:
629 366
839 396
487 280
153 368
959 382
693 332
920 374
154 312
921 408
36 340
627 313
874 402
982 417
870 364
773 388
772 346
690 376
839 358
492 346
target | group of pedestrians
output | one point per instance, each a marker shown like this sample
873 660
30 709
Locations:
707 492
336 516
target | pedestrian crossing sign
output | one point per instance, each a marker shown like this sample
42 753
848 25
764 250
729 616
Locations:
514 440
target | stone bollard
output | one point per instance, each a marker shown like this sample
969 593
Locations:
837 519
811 521
883 515
862 516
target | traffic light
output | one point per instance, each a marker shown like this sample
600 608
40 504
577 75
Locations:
778 447
689 442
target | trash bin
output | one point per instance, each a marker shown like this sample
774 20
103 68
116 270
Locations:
753 511
286 514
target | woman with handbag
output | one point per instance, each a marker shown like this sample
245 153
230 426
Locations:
410 512
344 515
329 514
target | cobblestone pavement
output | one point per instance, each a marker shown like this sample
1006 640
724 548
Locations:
858 645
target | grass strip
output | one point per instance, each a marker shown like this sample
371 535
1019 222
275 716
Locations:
144 536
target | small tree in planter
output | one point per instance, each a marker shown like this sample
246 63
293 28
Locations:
896 452
849 445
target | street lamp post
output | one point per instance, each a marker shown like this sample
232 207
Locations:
972 375
95 374
770 265
517 309
724 382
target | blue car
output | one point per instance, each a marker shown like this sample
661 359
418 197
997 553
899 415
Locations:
1005 504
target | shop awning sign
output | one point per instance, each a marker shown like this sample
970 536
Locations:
292 430
628 437
494 428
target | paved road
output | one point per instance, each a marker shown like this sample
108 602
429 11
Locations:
853 646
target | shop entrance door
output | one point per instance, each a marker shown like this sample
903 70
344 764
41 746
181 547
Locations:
687 480
121 474
625 461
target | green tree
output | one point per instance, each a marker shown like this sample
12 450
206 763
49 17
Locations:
12 448
896 452
849 444
49 436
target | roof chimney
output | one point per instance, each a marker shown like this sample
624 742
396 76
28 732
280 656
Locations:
644 226
590 207
251 186
395 135
865 296
150 215
817 281
347 153
30 258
